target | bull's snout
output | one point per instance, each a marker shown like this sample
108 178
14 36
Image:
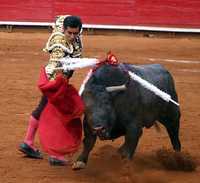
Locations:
101 132
98 130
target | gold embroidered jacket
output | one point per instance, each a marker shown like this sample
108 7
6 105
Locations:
58 46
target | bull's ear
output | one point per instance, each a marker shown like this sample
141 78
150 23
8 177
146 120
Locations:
116 88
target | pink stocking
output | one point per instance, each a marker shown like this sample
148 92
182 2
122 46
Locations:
31 131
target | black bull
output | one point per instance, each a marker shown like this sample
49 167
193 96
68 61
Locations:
109 115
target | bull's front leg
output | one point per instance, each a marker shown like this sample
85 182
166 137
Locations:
132 136
88 143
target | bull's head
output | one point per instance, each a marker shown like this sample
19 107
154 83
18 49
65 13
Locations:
100 113
100 95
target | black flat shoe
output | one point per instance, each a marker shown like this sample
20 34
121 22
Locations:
57 162
29 151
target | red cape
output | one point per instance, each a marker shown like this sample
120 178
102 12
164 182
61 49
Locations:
60 128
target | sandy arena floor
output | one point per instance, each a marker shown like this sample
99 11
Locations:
21 58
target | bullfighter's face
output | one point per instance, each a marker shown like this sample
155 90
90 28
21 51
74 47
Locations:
99 112
71 33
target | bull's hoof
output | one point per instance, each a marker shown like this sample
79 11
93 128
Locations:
78 165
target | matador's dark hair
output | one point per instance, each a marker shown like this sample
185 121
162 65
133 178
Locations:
72 21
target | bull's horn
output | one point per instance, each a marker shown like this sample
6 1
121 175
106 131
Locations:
116 88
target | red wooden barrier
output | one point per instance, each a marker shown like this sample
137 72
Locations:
174 13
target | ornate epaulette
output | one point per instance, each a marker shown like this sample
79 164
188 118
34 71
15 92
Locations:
58 46
58 26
